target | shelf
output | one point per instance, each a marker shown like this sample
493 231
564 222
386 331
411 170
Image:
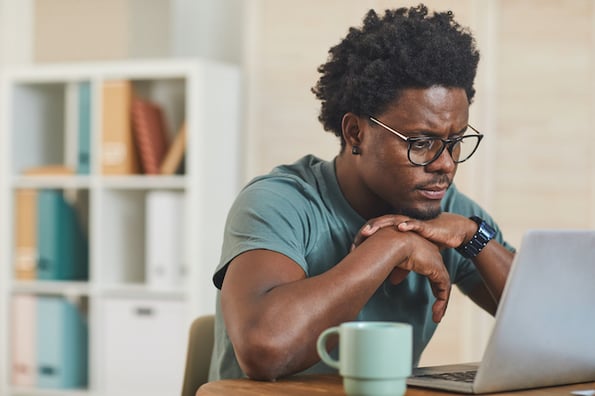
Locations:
143 182
66 182
141 291
26 391
149 242
63 288
139 182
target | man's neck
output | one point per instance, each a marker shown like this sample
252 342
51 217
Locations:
361 199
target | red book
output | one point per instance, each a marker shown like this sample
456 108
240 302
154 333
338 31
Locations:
148 126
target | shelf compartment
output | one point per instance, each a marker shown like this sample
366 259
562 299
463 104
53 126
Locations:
53 354
51 234
44 123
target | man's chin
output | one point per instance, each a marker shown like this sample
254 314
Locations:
421 214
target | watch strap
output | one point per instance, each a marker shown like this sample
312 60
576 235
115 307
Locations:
480 239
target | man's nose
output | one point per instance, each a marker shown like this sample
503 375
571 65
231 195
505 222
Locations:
443 164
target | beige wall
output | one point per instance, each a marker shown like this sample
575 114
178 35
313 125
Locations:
535 103
75 30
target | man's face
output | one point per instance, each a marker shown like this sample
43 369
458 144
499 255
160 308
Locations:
392 180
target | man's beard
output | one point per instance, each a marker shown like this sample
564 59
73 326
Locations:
420 214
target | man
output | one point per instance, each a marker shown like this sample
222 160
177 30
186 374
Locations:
380 232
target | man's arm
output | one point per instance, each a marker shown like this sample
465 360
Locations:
274 313
450 231
493 263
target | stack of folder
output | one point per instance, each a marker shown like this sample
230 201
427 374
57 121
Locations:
51 243
50 348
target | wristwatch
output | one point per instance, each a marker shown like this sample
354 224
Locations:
484 234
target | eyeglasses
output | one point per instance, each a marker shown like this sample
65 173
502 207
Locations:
423 150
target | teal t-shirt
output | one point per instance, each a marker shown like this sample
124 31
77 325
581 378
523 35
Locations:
299 210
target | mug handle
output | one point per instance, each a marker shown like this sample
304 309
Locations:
321 347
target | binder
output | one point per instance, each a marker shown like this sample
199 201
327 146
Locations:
118 153
164 247
62 342
25 234
23 336
62 245
84 128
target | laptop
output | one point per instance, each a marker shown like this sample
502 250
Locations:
544 332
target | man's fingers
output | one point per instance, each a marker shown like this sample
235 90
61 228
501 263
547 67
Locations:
441 291
374 225
439 310
407 226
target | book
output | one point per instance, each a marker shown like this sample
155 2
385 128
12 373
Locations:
61 244
84 128
175 153
23 336
164 252
118 152
150 134
25 234
62 343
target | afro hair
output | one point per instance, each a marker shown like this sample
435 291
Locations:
406 48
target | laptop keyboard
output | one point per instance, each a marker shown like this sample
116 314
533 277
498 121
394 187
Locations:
460 376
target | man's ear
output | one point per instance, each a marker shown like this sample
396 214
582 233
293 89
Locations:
351 128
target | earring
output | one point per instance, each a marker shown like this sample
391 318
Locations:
355 150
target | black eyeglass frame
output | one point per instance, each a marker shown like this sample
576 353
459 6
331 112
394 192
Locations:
445 142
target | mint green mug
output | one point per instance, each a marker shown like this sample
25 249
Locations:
374 357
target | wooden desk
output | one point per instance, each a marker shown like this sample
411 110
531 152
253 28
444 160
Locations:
331 385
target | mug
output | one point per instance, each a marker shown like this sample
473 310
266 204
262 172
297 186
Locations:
375 358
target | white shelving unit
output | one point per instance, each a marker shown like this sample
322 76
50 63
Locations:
137 334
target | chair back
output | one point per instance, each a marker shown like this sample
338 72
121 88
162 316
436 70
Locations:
198 356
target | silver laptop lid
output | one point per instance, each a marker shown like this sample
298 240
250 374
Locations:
544 333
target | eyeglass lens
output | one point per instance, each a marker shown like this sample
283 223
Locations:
422 151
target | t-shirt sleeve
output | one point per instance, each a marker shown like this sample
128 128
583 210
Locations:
267 215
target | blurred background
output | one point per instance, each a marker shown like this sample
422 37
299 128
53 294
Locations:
535 93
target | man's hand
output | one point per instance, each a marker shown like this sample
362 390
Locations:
425 259
368 229
375 224
447 230
419 255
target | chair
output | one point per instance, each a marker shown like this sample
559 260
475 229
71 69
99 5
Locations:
198 356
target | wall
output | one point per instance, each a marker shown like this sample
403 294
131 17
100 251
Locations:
74 30
16 27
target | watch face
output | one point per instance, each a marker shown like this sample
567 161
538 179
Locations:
486 230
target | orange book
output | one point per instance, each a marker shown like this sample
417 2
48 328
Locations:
118 153
149 132
25 234
175 153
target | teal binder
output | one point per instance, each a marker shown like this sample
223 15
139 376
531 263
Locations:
61 243
62 344
84 128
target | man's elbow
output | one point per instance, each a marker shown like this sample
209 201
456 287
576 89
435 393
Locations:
262 359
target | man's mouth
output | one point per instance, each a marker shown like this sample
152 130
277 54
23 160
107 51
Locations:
433 192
